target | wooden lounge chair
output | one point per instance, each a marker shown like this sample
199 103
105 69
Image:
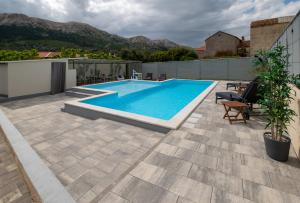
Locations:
238 85
249 95
235 85
162 77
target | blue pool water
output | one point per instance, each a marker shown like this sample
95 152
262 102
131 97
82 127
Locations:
125 87
161 100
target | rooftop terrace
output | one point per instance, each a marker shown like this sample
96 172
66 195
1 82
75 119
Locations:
205 160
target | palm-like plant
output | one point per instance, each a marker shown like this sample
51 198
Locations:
275 90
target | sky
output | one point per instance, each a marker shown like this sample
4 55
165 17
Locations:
187 22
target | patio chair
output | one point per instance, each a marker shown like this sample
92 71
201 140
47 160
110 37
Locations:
162 77
249 95
233 84
120 77
237 85
149 76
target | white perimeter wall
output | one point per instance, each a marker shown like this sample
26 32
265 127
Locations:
3 79
290 38
34 77
205 69
70 77
29 77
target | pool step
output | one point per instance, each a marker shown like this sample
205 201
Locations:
81 93
87 91
77 94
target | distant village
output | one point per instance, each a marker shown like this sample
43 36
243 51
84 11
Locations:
263 34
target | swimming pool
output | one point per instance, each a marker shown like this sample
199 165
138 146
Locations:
165 104
162 100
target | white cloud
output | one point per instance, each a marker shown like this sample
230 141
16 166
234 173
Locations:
55 8
186 22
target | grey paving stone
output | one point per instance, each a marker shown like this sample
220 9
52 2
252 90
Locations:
258 163
248 150
103 183
252 143
120 169
113 198
284 184
191 189
89 162
75 171
152 174
87 197
183 200
197 158
231 184
107 165
92 177
253 175
78 189
65 179
172 164
166 149
219 196
12 184
197 138
263 194
136 190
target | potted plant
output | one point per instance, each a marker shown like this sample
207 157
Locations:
275 91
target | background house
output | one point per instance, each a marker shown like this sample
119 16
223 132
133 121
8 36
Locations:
223 44
200 51
263 33
48 54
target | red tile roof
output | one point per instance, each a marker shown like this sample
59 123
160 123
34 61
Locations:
201 49
48 54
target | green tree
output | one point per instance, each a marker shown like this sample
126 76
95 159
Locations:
71 53
11 55
102 55
175 54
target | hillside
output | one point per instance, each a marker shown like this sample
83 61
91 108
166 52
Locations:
18 31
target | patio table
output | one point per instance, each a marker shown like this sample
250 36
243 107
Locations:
239 106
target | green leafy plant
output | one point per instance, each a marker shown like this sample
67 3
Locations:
11 55
275 89
174 54
297 80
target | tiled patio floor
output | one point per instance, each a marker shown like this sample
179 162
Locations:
206 160
12 184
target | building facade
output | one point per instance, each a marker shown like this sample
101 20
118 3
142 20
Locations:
200 52
223 44
263 33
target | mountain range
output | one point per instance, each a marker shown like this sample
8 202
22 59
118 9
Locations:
18 31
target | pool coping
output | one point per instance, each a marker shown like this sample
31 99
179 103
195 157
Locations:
95 112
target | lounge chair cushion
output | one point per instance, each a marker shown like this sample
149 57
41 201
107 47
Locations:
231 96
